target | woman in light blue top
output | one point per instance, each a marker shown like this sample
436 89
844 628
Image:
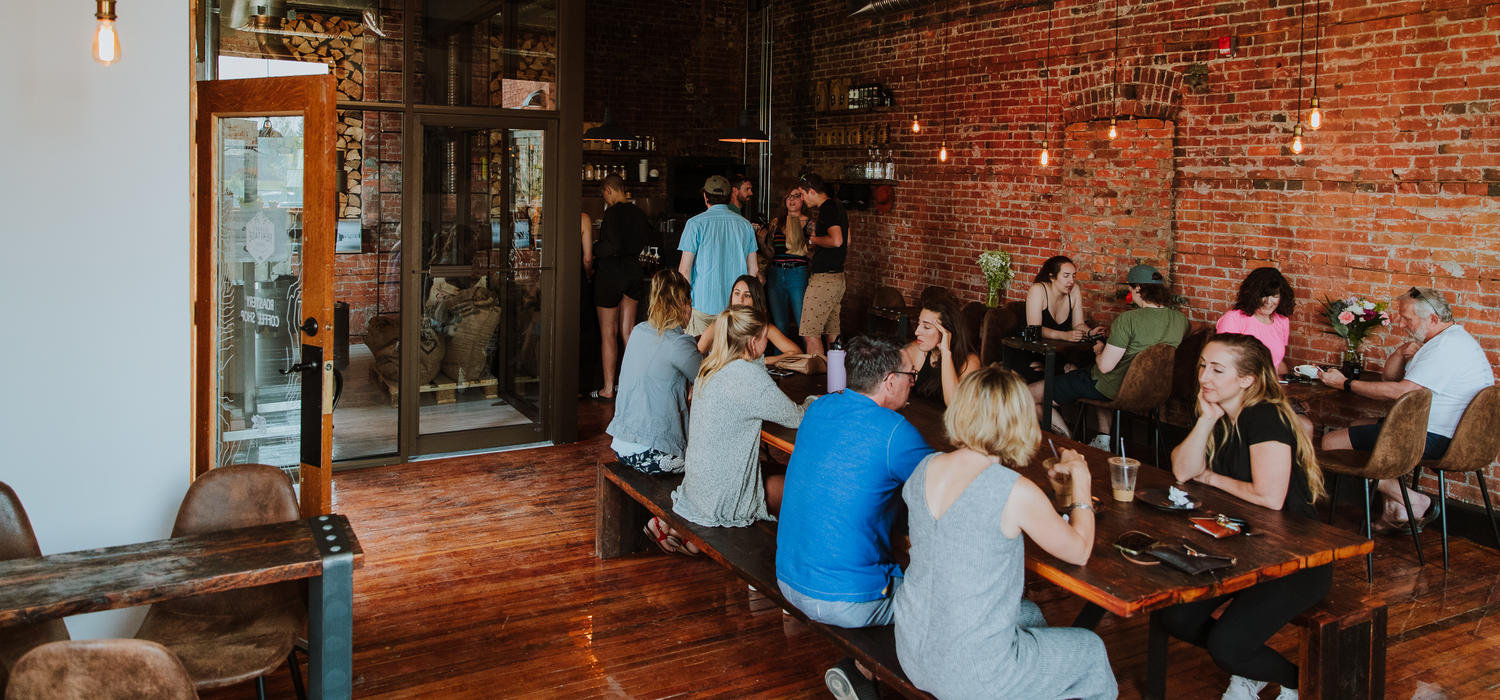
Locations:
963 629
651 411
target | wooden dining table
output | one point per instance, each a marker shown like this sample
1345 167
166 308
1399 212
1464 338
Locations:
322 550
1280 543
1049 349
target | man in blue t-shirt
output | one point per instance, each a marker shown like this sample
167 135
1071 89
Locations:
842 492
717 247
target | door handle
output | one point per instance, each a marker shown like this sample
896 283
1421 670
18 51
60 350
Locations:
300 367
310 326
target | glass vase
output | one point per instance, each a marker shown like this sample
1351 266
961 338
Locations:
1352 362
993 299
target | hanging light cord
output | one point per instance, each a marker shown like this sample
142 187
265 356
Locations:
1317 45
1301 34
1114 95
1047 73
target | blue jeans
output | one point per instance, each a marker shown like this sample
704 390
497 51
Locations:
785 287
870 613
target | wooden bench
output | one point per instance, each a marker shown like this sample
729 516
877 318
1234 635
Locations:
1340 649
628 498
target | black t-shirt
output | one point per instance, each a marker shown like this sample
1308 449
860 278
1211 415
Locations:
831 214
1257 424
622 233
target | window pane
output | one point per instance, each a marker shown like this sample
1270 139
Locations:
359 42
507 59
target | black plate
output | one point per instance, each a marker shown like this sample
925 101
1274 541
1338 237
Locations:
1157 498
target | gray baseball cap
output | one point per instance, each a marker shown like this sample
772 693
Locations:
717 184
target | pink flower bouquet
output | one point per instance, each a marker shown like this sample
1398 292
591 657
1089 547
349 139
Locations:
1353 318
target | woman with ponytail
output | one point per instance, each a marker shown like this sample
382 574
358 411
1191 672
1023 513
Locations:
722 484
1246 443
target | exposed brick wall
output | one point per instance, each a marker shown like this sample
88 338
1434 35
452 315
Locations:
1400 187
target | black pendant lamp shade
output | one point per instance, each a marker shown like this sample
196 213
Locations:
746 132
608 131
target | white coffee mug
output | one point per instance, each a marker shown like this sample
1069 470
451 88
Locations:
1308 371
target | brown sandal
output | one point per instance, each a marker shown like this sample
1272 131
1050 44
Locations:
662 535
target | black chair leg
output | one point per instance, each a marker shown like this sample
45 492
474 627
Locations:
1488 511
1333 494
1156 437
1117 435
260 688
1443 503
1411 522
1416 475
291 662
1370 534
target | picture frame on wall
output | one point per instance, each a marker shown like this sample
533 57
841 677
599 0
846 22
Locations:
348 236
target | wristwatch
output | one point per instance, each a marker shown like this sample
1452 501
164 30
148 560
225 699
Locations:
1347 383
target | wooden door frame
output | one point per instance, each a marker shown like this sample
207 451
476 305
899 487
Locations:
312 98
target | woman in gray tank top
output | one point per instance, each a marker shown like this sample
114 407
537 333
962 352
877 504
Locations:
963 628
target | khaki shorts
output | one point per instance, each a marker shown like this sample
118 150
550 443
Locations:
699 323
821 304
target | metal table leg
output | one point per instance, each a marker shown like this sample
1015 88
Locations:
1049 361
330 619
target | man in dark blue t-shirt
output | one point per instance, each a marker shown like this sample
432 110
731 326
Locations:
842 492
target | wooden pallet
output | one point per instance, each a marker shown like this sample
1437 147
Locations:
446 388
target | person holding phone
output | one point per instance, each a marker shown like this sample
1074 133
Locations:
1245 443
963 628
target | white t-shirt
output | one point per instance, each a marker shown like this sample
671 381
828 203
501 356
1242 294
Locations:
1453 367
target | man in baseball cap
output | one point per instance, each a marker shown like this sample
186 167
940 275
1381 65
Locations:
717 247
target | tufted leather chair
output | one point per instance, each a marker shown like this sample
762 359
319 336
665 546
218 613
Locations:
18 541
1397 451
100 669
234 636
1142 393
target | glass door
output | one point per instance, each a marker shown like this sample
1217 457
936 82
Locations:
263 320
479 335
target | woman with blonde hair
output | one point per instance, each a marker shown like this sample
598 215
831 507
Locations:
722 484
1245 443
967 511
786 279
649 426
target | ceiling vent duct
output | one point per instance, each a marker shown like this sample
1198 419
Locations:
875 7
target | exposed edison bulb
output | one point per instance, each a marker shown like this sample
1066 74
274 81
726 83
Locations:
1044 158
1315 117
943 153
1112 131
1297 139
106 41
916 124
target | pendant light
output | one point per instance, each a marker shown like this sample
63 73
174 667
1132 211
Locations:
1301 34
106 41
943 150
916 119
1114 93
1315 115
607 130
747 131
1044 158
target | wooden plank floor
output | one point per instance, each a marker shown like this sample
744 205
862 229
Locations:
480 581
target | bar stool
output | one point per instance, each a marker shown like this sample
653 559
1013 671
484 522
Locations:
1475 443
1397 451
100 669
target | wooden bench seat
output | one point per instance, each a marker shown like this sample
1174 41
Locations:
627 499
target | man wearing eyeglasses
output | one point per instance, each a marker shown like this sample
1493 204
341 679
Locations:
843 488
1437 355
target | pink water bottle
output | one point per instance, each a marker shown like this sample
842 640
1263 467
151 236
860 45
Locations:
836 378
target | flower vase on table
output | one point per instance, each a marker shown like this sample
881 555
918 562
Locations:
1351 319
995 264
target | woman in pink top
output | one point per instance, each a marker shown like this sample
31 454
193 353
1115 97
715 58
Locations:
1265 302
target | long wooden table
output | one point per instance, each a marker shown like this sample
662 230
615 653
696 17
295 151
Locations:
1282 544
322 549
1049 349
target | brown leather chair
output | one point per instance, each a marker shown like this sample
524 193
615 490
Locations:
998 323
1181 408
1142 393
888 298
234 636
888 316
18 541
936 292
1476 442
973 318
1397 451
100 669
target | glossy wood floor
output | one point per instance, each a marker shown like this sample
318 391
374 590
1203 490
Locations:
480 581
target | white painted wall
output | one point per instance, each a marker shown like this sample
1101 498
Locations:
94 283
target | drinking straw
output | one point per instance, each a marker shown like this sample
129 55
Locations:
1054 449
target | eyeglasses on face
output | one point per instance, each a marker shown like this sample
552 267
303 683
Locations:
913 375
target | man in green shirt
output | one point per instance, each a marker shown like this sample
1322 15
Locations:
1133 331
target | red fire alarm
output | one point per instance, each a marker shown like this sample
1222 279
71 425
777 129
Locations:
1226 46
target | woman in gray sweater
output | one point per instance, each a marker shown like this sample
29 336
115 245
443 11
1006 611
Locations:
651 409
722 486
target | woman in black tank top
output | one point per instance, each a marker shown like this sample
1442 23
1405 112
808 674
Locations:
1056 287
942 352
